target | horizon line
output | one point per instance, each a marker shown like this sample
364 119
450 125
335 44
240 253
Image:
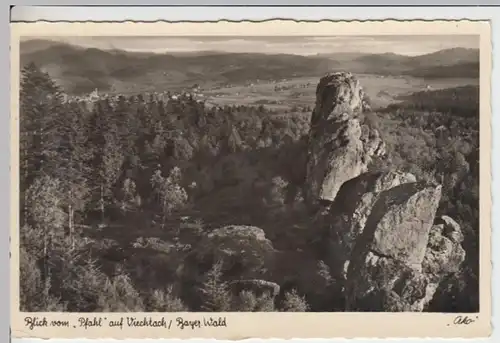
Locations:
172 51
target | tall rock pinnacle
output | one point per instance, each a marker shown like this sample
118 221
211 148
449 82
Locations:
338 149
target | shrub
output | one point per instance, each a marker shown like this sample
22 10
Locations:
119 295
165 301
294 302
247 301
34 292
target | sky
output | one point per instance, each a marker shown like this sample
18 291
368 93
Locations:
301 45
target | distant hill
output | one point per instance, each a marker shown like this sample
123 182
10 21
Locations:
448 63
33 45
459 70
80 70
447 57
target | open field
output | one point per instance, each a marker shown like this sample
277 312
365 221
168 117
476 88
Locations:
300 92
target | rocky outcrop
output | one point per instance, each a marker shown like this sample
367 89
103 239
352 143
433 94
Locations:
245 249
386 260
381 247
339 149
348 216
383 243
378 282
256 286
444 251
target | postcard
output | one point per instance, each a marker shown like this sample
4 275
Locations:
231 180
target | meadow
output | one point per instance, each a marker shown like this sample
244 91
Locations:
300 92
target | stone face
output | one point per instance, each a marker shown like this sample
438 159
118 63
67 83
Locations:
333 158
339 147
401 221
352 208
358 196
386 261
401 265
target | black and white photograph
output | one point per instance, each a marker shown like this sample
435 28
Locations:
249 173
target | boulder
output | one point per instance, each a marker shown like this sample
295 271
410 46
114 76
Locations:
399 258
256 286
444 254
245 250
384 272
339 147
390 286
451 229
349 213
399 224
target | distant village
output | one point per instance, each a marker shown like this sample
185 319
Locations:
95 95
196 93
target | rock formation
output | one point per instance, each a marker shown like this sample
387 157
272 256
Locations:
338 151
245 247
256 286
381 247
444 251
386 260
383 244
349 214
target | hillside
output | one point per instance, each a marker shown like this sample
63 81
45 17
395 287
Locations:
448 63
465 70
447 57
175 206
79 70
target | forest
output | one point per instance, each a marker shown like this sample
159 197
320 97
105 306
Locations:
124 201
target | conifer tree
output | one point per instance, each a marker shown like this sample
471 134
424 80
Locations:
215 292
107 158
40 103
